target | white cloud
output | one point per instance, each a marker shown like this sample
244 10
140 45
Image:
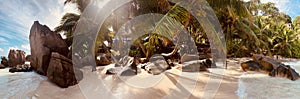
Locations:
17 16
56 13
13 48
281 4
1 50
290 7
3 41
26 47
8 35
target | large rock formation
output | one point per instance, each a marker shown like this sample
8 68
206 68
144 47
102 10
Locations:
28 58
62 72
2 66
269 65
4 61
43 41
16 57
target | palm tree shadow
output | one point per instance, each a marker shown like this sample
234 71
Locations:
182 92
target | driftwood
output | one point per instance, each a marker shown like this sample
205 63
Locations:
269 65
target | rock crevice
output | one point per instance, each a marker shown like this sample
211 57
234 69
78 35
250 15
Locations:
49 56
43 42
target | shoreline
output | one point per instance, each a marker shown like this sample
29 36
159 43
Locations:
235 84
228 87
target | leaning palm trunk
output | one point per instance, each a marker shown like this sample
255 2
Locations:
170 54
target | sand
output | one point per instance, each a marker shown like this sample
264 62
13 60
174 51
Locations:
18 85
171 84
230 83
261 86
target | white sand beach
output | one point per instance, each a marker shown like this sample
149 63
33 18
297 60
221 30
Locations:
261 86
234 84
18 85
171 84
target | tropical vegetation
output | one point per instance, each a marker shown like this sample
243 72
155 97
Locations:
249 27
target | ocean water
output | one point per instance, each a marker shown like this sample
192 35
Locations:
253 85
18 85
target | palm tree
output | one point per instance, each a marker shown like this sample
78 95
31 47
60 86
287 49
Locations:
238 26
81 4
233 15
253 6
296 24
67 26
277 32
286 42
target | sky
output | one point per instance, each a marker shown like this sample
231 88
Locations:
17 16
290 7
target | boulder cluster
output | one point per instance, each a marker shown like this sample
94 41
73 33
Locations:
16 61
158 64
265 64
51 57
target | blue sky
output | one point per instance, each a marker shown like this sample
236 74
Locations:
17 16
290 7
